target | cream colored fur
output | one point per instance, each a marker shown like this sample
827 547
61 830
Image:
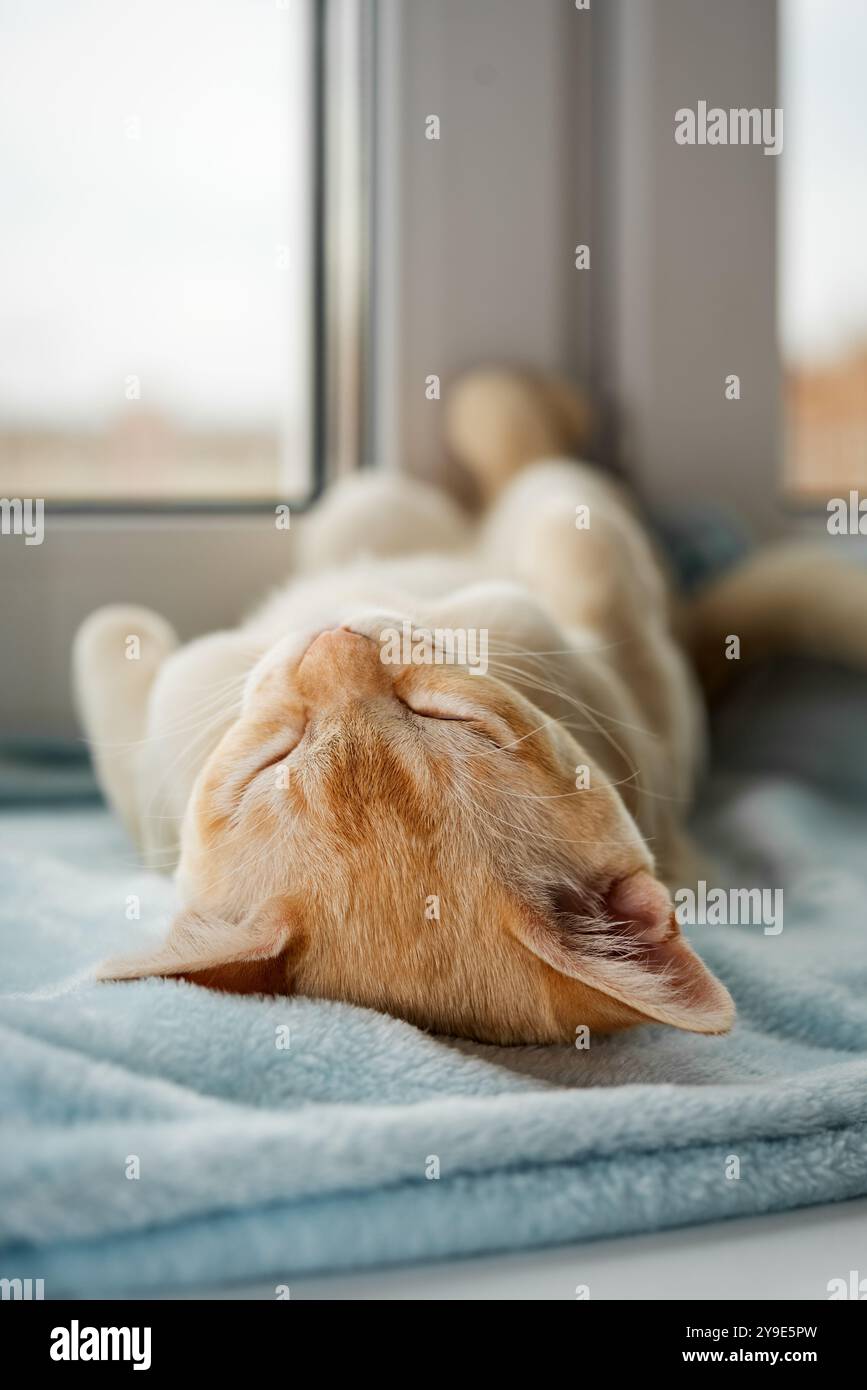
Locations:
593 602
317 883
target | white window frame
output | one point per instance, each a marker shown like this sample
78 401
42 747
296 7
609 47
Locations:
664 359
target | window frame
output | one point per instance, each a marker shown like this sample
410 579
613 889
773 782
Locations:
675 435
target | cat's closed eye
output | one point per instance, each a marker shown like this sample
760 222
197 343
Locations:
494 731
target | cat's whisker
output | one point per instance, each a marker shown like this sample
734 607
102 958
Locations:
208 729
558 692
520 677
488 817
507 747
234 687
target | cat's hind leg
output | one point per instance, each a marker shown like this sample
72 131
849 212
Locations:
562 527
571 535
500 419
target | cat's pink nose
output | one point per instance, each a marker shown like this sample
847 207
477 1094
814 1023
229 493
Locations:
340 664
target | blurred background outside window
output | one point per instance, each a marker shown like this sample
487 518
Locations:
155 272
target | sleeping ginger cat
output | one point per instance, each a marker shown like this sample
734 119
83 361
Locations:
484 852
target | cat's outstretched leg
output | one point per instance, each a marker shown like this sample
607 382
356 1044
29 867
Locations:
117 654
153 712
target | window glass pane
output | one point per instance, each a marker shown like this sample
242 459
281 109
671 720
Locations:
154 249
823 229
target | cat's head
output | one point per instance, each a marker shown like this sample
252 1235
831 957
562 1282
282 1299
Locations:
410 837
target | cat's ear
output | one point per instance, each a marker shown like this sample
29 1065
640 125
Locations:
626 944
258 955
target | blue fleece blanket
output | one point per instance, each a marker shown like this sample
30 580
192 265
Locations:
158 1136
